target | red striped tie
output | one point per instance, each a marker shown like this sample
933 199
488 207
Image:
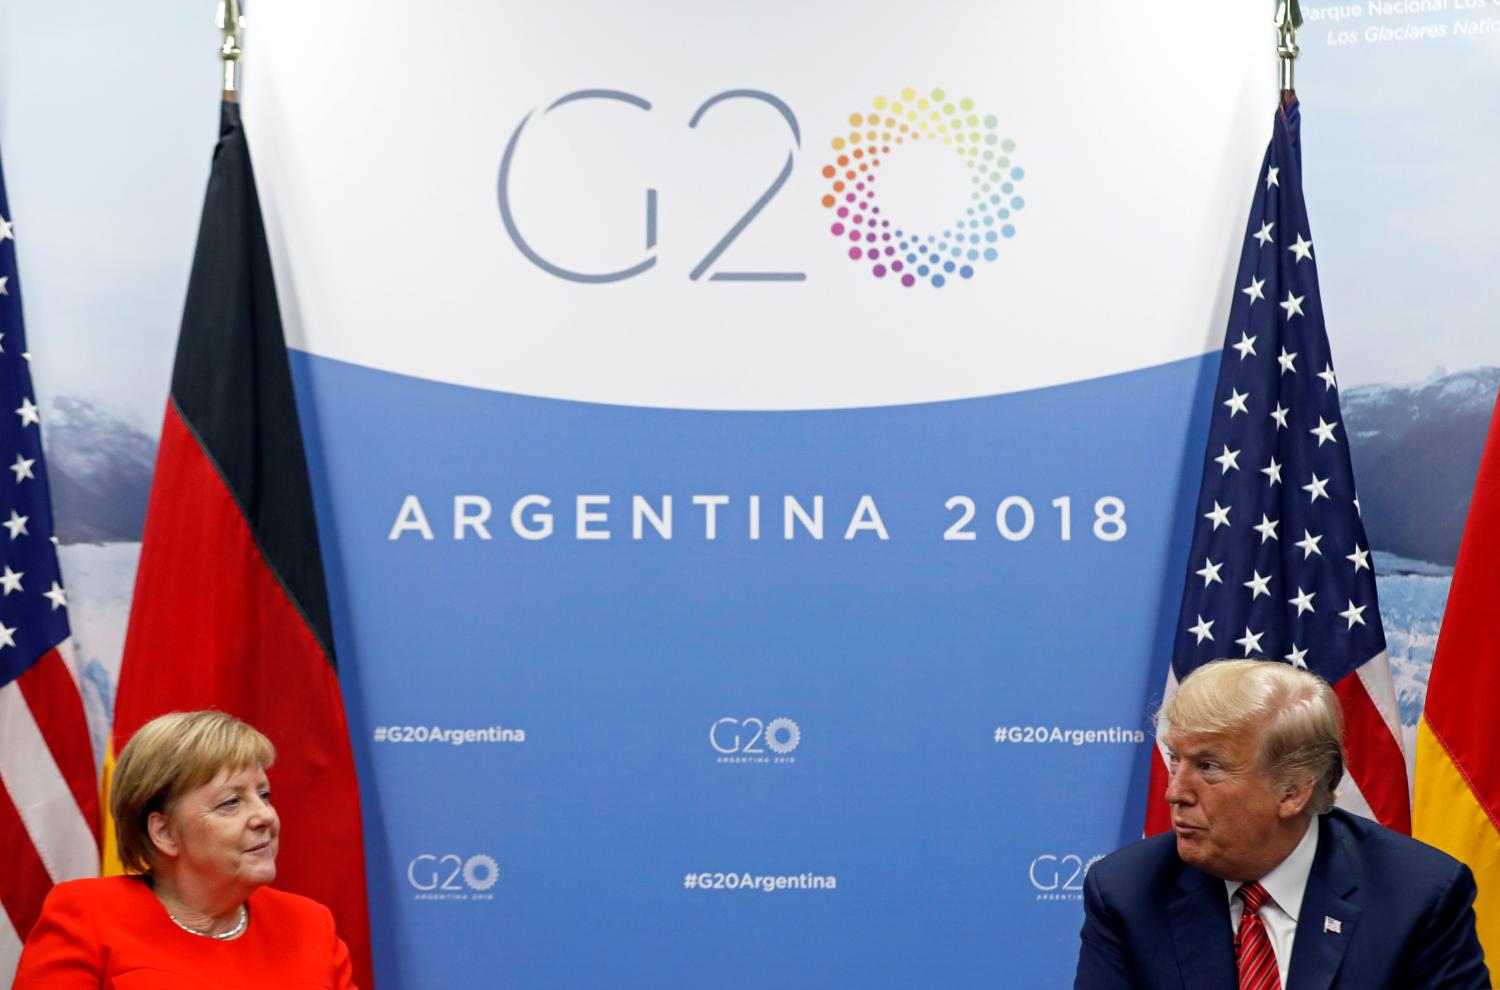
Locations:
1252 945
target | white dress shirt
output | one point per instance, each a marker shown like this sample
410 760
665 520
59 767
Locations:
1285 886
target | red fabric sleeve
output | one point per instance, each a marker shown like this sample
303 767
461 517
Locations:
343 968
62 951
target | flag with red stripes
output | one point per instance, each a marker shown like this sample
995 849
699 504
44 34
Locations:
1279 567
49 799
230 608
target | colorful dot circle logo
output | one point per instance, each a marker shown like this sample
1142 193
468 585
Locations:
894 252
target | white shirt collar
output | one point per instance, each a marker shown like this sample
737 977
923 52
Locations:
1287 882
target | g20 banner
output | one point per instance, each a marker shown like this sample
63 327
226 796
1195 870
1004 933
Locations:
752 447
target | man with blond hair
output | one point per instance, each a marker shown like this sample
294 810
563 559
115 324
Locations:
1262 884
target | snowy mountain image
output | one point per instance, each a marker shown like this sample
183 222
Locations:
1416 452
99 469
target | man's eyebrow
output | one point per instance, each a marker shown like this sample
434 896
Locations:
1208 751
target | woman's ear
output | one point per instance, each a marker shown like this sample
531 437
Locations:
163 835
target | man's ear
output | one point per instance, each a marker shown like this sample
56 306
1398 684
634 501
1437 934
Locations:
1294 799
163 836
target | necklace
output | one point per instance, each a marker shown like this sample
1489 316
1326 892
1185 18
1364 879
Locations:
238 929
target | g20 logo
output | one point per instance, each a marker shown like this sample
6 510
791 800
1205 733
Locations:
1050 873
909 256
752 735
452 873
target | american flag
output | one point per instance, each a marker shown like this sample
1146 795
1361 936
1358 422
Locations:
49 799
1280 568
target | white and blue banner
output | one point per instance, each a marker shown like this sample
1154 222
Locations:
752 445
755 445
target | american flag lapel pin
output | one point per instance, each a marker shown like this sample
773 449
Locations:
1333 925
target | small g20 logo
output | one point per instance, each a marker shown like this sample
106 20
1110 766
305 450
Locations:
1060 873
452 873
752 735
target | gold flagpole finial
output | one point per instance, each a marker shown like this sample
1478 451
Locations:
1288 20
230 22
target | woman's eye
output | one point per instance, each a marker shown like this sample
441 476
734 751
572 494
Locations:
265 797
230 802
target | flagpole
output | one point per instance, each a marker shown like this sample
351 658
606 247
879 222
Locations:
1288 19
230 23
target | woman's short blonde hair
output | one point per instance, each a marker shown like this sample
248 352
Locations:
166 758
1296 713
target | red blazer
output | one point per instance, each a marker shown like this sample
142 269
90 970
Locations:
113 933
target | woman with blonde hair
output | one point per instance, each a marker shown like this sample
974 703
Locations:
194 822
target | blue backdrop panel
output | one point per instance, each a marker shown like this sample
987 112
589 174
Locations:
565 859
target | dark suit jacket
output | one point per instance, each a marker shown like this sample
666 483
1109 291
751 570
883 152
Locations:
1406 912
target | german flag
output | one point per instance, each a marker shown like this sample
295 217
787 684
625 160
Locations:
1457 804
231 608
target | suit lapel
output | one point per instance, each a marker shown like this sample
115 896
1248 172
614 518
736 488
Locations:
1317 952
1199 914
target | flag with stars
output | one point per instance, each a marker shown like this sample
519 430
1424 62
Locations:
49 802
1279 568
